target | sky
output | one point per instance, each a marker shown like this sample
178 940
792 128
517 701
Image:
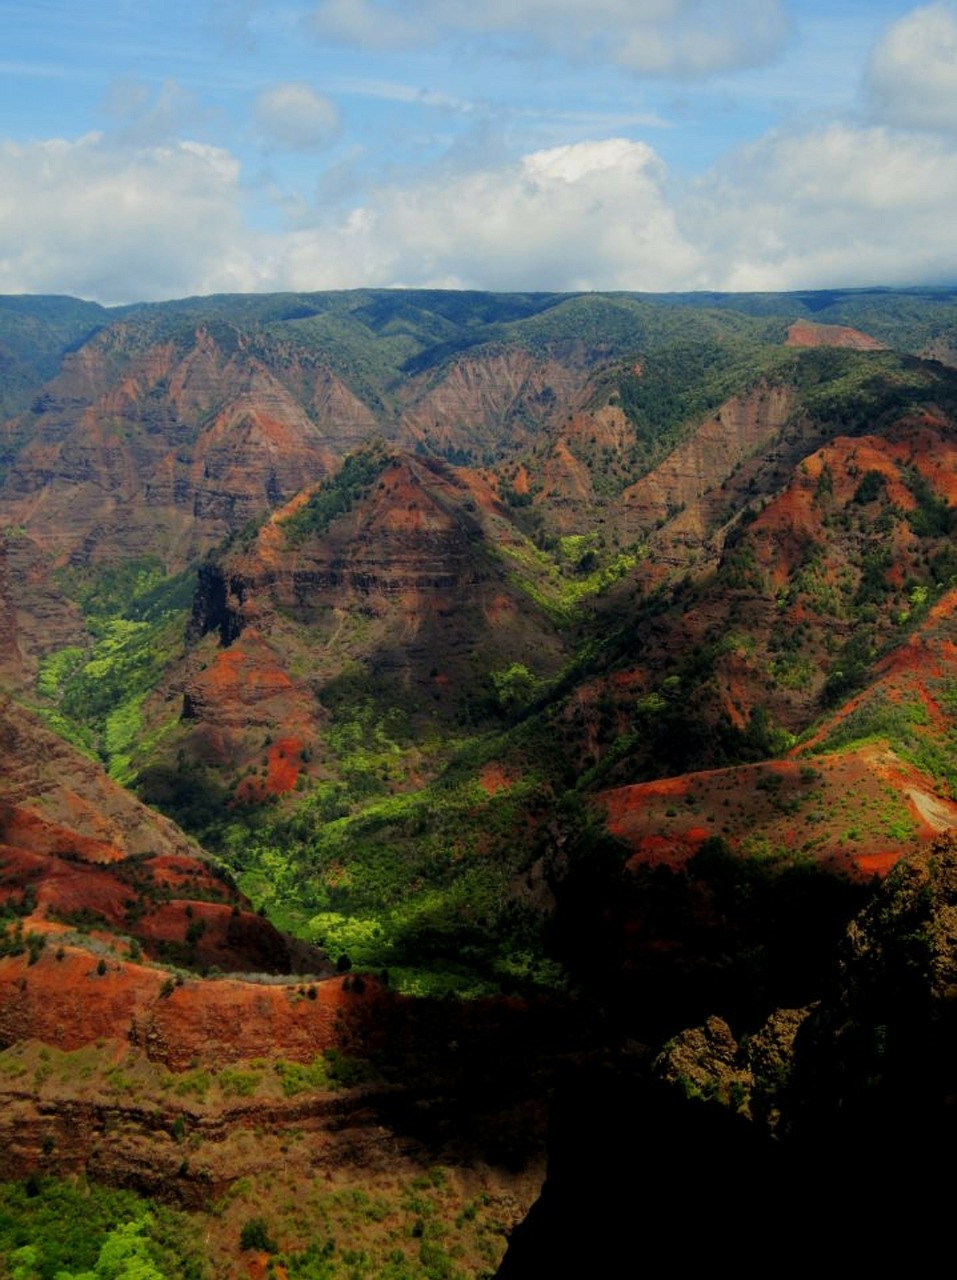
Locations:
153 150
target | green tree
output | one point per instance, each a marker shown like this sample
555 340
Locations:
124 1255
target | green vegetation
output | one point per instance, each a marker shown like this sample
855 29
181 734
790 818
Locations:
536 574
335 497
136 617
689 378
255 1235
870 488
57 1230
415 883
34 335
908 729
933 517
857 391
429 1226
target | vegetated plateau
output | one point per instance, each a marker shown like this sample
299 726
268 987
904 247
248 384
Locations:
438 722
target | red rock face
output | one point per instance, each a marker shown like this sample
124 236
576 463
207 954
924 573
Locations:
57 801
766 632
35 610
770 803
691 476
413 575
782 531
149 446
74 990
162 451
87 853
69 1003
11 659
493 404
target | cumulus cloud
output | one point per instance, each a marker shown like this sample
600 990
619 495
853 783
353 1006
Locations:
683 38
592 215
293 117
836 206
912 75
119 223
840 205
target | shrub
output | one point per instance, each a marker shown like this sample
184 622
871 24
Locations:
255 1235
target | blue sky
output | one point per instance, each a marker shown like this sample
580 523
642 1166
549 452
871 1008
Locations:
154 150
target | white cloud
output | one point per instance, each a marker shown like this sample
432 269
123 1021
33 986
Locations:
912 75
682 38
117 223
837 206
588 216
293 117
840 205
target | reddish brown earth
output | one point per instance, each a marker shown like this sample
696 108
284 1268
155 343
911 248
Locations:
479 404
57 801
495 777
174 907
778 613
113 450
92 856
90 1032
419 571
155 446
11 656
805 333
245 684
408 549
691 476
68 1003
857 812
858 808
784 527
35 617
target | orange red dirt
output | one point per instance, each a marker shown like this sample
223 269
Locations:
72 1001
857 812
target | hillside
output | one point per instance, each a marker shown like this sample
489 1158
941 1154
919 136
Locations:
539 675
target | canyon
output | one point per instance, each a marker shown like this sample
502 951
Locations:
436 725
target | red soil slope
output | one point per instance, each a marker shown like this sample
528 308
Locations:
805 333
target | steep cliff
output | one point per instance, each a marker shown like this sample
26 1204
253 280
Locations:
159 449
394 576
479 408
58 801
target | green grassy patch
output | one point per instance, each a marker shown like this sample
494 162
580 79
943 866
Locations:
58 1230
95 697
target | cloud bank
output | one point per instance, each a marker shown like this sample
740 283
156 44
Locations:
116 223
842 204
